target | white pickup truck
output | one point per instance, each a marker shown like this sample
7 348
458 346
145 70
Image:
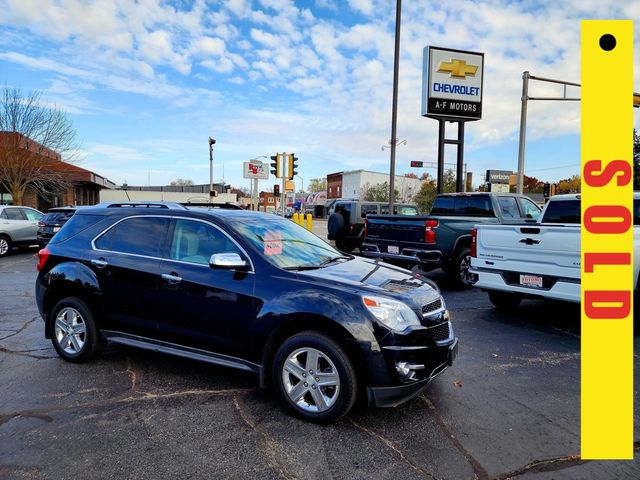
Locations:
540 259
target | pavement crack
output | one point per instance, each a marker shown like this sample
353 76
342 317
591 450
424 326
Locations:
391 445
21 329
478 469
25 354
270 447
543 466
7 418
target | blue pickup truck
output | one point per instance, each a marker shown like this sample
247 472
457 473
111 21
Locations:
442 238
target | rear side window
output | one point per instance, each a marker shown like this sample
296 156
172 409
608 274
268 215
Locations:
14 214
137 236
509 207
563 211
32 215
75 225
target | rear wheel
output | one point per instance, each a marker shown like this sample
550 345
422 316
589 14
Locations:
5 245
459 272
314 377
505 300
75 335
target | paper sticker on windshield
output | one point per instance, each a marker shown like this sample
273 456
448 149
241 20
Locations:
272 243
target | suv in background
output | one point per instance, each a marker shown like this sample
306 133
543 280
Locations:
52 222
18 226
346 220
246 290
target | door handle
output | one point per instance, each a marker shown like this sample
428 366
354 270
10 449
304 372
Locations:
100 263
172 279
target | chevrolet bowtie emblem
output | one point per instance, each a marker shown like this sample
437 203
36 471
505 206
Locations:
457 68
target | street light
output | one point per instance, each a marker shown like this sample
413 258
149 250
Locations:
398 142
302 185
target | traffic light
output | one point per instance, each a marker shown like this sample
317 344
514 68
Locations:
553 189
276 190
415 163
547 190
275 165
293 164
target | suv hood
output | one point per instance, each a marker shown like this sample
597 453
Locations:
376 278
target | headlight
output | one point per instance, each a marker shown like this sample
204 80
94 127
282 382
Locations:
392 313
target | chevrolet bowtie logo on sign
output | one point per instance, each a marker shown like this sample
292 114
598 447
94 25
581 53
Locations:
457 68
452 84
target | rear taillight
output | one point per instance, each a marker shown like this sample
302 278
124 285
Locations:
429 232
43 256
474 242
365 227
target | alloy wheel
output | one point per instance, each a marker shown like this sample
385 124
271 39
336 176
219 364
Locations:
311 380
70 330
4 246
466 277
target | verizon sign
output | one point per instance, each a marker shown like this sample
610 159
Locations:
452 84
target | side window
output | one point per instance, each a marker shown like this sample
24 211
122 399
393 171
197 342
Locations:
139 236
14 214
3 215
530 209
195 242
509 207
636 211
562 211
369 209
32 215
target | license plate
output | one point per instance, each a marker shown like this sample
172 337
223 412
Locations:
393 249
56 229
531 281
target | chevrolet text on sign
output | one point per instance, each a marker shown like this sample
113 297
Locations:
452 84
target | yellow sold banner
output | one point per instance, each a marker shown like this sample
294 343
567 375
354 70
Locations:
607 240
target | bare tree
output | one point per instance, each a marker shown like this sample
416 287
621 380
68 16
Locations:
33 140
181 182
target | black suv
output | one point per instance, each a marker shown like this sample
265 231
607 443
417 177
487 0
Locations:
245 290
52 222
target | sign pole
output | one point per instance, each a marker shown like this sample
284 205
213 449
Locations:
440 179
459 170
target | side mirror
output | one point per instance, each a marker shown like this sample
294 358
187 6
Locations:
228 261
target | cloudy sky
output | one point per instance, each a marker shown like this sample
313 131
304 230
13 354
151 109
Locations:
147 82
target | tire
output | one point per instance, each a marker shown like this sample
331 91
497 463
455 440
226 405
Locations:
5 245
504 300
335 226
82 345
297 386
459 271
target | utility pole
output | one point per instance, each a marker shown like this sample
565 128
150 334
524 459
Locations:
394 109
211 144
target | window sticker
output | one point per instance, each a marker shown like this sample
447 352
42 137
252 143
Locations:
272 243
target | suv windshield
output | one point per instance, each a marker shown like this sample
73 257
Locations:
285 244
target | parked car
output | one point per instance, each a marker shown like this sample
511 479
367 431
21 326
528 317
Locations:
245 290
52 222
18 227
540 260
442 239
346 220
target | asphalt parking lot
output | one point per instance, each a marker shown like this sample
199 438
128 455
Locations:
508 408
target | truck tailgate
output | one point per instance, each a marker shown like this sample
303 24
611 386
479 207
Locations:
396 228
542 249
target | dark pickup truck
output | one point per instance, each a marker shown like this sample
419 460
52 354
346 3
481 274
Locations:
442 239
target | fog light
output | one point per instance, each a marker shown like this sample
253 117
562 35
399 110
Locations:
408 370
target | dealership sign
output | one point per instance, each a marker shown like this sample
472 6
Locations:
256 169
452 84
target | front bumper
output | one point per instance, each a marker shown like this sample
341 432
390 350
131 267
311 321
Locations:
395 395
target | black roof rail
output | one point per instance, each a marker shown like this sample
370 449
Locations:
226 205
168 205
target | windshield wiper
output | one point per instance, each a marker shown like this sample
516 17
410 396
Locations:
334 259
302 267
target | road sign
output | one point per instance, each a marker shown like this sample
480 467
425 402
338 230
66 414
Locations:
255 169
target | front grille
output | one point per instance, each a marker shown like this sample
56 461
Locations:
441 332
432 307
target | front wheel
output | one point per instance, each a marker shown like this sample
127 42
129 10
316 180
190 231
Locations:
505 300
5 245
314 377
75 335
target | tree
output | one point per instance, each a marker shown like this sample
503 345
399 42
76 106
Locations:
181 182
636 160
426 195
569 185
378 193
410 175
449 181
317 185
34 139
240 192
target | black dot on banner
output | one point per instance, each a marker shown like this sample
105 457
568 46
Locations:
607 42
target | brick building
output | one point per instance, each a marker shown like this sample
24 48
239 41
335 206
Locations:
84 185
